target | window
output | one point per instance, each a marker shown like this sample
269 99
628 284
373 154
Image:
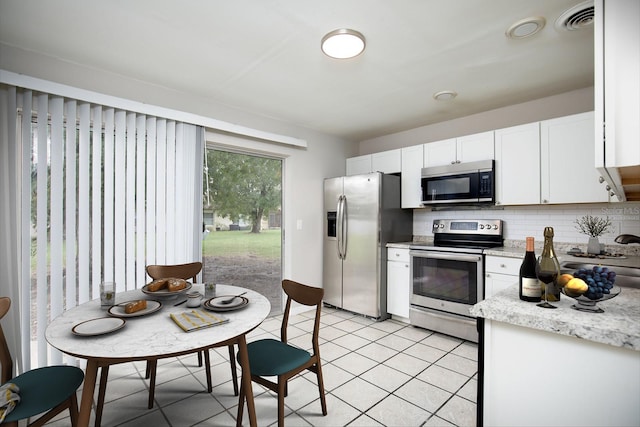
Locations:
242 209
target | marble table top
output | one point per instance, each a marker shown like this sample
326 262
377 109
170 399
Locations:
617 326
155 334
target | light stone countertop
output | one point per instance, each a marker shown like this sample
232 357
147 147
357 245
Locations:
617 326
512 252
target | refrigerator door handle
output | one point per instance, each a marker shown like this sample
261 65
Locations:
345 232
339 225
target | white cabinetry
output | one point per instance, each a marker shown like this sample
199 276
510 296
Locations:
617 95
567 172
359 165
398 282
411 190
386 162
517 166
515 388
500 273
548 162
464 149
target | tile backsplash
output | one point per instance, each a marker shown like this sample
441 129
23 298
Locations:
523 221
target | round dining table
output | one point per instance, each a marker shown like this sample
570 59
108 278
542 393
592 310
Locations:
118 338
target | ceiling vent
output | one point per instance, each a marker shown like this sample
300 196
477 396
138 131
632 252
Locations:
577 17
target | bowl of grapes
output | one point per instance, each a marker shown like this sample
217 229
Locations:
588 287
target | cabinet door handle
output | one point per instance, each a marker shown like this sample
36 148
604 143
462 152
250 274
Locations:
503 266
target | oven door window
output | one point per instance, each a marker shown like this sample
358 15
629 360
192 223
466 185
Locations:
445 279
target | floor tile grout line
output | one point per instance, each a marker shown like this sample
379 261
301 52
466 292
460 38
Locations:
363 324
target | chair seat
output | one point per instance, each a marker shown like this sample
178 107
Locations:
44 388
269 357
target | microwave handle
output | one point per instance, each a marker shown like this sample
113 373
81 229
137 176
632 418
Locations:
447 256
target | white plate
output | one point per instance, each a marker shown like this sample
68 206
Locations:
215 304
163 293
118 310
100 326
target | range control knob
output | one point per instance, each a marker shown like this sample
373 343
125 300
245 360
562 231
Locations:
495 227
488 226
481 227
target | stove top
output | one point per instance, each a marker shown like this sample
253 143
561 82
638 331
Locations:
471 236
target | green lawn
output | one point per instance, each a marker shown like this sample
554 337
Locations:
265 244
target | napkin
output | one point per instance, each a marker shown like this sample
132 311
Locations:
9 398
197 319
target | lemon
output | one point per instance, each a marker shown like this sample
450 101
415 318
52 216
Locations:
576 286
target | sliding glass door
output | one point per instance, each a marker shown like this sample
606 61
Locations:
242 215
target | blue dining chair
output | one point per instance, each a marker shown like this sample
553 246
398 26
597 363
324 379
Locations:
49 390
276 358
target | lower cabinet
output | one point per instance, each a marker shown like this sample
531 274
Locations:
533 378
500 273
398 282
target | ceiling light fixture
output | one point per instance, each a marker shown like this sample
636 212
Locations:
445 95
526 27
343 43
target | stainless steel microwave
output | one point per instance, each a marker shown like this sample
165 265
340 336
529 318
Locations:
471 182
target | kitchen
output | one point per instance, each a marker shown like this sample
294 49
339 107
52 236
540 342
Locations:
311 166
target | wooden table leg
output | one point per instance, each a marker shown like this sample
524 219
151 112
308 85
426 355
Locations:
90 374
246 379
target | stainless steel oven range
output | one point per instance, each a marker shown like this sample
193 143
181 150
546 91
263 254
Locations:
448 275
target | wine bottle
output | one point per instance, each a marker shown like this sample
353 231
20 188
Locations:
530 289
549 260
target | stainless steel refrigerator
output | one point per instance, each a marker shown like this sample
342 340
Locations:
362 214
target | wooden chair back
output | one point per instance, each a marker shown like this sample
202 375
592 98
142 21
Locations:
305 295
180 271
5 355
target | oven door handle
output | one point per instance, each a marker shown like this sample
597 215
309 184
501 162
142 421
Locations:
446 256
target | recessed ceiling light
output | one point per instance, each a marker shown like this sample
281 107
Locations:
445 95
526 27
343 43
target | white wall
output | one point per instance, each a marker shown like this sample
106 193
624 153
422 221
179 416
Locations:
305 169
564 104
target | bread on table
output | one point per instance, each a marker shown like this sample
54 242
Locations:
134 306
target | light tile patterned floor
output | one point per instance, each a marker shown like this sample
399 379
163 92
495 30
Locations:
375 373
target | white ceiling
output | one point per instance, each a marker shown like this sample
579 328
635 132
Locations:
263 56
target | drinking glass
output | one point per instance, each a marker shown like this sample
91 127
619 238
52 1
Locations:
107 294
547 272
209 290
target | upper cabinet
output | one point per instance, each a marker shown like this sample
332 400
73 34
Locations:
464 149
385 162
617 95
358 165
517 166
567 174
411 191
548 162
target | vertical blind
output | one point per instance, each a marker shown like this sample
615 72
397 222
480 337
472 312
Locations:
104 193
